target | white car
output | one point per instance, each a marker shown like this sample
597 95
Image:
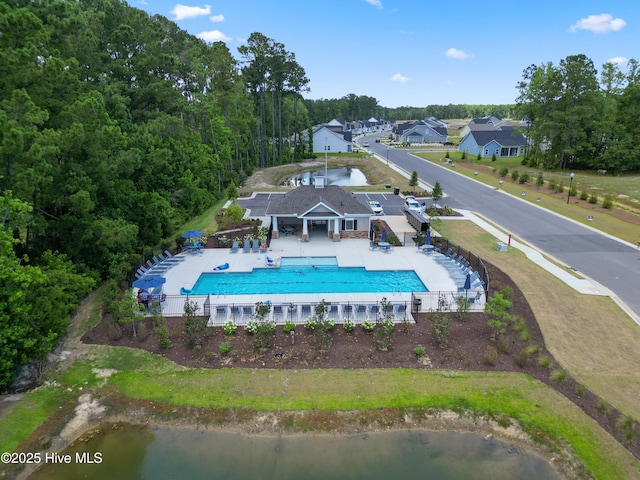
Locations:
412 205
365 144
376 207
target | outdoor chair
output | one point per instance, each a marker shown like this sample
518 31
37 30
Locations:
168 260
306 312
221 312
247 246
234 247
256 246
170 256
333 312
263 247
278 313
373 246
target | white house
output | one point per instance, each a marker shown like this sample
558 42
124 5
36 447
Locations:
325 139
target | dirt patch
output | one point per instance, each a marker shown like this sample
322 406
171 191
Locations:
469 347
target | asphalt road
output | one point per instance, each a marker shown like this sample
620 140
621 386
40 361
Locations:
613 264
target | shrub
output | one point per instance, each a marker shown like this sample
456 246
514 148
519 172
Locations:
162 334
368 326
607 201
311 324
463 305
522 358
446 155
493 157
593 198
503 345
540 179
544 362
349 325
195 326
496 308
525 335
584 194
478 157
251 327
558 375
419 351
560 187
442 329
552 185
524 178
603 406
224 348
115 331
507 292
625 423
514 175
503 172
464 156
235 213
143 332
229 328
288 327
491 356
579 390
533 350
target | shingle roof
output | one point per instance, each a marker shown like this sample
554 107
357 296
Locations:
304 198
506 138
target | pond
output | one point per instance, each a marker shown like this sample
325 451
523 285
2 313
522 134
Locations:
134 452
346 176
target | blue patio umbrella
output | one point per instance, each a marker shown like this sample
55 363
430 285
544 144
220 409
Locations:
151 281
383 236
467 284
192 234
427 240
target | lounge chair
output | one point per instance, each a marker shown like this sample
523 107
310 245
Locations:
361 312
247 246
347 311
256 246
221 312
170 256
170 261
234 247
162 264
278 313
374 310
263 247
333 312
247 312
400 309
306 311
236 313
157 268
146 271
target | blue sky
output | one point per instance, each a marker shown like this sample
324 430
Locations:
418 52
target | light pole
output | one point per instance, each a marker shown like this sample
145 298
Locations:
570 183
387 156
326 153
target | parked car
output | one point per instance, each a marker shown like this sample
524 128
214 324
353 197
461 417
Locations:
412 205
376 207
447 144
365 144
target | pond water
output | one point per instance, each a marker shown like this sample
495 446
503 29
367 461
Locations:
346 176
158 453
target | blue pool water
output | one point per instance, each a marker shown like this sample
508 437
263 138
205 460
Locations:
308 275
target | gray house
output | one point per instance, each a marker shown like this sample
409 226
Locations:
504 142
421 131
327 208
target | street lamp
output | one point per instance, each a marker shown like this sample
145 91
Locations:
570 183
387 156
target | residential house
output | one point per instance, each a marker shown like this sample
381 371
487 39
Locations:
326 139
421 131
503 142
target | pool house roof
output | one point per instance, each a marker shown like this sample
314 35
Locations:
309 201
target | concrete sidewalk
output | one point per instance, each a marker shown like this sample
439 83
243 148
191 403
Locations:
584 285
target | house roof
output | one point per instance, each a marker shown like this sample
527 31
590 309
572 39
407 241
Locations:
305 198
506 137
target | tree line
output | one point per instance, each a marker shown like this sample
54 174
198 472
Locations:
116 127
579 119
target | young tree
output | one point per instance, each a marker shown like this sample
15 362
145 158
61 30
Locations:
436 193
413 182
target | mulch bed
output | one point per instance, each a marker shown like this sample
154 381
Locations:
466 350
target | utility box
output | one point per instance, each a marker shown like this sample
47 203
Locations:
502 247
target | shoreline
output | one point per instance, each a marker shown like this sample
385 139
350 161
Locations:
92 418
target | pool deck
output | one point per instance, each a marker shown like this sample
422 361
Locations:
348 252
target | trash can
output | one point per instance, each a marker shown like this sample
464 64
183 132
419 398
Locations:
417 303
396 190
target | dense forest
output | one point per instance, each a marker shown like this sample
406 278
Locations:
117 127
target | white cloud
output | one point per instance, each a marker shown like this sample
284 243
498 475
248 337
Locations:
620 61
457 54
602 23
181 12
217 18
213 36
375 3
399 78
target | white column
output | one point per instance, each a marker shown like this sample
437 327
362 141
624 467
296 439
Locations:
305 228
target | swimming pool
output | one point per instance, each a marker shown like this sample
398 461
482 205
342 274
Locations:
308 275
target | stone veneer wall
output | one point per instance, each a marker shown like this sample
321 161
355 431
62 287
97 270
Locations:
354 234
